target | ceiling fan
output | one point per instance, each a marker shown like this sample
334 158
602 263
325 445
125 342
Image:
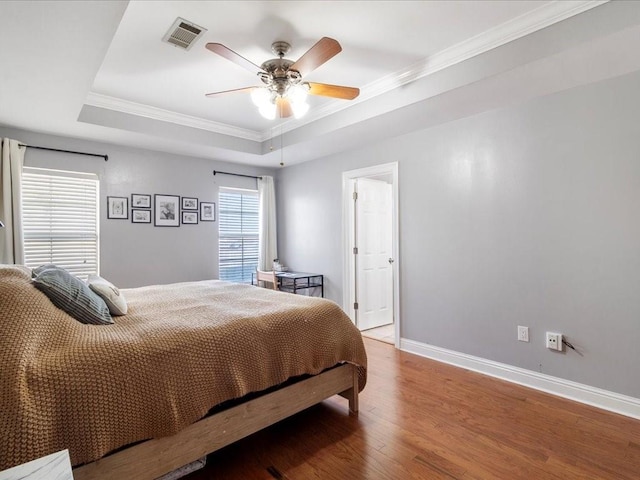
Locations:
284 91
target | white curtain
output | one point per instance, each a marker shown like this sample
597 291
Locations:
268 241
11 236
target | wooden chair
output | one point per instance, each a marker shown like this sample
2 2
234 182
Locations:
267 277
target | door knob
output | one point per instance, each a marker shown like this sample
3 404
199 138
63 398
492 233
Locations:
391 260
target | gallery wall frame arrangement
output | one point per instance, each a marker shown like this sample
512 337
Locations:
207 212
189 217
140 216
189 203
139 200
167 208
118 208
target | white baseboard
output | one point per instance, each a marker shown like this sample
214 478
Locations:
596 397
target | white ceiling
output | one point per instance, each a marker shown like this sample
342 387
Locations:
378 39
99 70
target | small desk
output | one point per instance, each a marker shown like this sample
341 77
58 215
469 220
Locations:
292 282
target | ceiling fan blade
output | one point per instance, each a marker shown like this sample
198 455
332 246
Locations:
233 56
335 91
322 51
283 107
235 90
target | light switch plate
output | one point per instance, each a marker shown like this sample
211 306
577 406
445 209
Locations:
523 333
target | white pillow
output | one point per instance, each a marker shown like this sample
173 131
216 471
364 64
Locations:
109 293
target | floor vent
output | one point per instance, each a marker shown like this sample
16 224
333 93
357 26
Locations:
183 33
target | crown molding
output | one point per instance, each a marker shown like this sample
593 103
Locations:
525 24
125 106
502 34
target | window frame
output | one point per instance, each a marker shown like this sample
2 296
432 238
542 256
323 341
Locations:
90 236
251 236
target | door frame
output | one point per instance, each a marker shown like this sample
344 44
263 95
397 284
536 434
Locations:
348 270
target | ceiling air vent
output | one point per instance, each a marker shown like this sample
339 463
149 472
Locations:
183 33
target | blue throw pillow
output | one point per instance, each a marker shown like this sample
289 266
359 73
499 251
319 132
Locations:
72 295
38 270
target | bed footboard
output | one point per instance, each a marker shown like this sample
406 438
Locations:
156 457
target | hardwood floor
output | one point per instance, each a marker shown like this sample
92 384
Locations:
421 419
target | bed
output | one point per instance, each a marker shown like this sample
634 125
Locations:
191 368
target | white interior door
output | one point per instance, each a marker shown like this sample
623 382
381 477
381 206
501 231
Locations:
374 242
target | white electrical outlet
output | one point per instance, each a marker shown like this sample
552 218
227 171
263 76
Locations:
523 334
554 341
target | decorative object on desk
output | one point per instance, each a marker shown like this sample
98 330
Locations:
140 201
140 216
167 208
118 208
190 218
207 212
278 267
189 203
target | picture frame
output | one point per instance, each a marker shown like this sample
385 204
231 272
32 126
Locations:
118 208
140 216
139 200
189 203
207 212
189 217
167 210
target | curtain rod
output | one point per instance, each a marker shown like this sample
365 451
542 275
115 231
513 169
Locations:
236 175
106 157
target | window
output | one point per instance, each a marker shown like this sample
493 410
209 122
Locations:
238 235
60 220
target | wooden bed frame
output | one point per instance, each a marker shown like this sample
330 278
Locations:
156 457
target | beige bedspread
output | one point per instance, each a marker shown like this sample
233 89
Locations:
181 350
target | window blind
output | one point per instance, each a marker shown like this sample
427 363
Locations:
238 234
60 220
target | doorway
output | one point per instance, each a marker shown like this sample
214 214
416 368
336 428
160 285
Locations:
371 293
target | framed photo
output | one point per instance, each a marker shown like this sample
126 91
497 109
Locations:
189 203
167 210
140 216
140 201
207 212
190 218
118 207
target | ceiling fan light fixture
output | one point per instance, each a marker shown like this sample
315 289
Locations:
298 93
268 110
260 97
284 93
299 109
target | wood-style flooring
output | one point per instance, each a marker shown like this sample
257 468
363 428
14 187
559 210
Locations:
421 419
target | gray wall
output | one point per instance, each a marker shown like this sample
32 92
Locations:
140 254
521 216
